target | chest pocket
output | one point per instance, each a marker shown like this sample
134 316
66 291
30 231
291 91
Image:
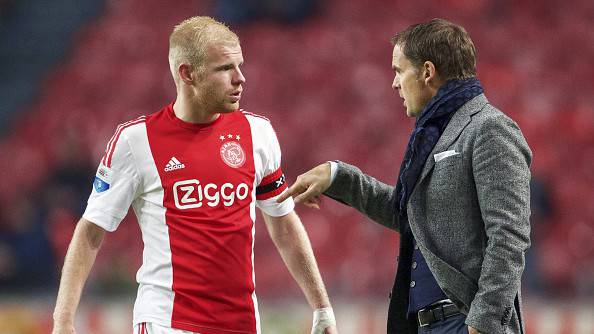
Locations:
447 172
447 187
452 162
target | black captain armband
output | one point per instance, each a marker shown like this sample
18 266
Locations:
271 185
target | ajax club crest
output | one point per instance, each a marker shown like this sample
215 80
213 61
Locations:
231 152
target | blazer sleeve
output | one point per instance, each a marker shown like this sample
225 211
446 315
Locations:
500 165
371 197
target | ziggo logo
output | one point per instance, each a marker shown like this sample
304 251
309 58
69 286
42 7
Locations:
189 194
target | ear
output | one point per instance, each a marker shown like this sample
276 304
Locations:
429 72
186 73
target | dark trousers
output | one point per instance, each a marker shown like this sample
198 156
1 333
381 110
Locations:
452 325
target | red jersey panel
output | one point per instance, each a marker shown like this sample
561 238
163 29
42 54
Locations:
207 194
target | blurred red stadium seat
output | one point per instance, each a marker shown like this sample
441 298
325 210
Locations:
326 86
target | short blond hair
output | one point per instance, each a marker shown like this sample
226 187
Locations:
190 38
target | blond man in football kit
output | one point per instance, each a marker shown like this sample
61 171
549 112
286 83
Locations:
194 172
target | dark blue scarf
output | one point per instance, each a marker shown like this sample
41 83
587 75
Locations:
430 125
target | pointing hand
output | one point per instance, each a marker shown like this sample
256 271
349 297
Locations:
309 186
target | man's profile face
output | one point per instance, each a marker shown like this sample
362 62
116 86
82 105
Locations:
409 82
220 80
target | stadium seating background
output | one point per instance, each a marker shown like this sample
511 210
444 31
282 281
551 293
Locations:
325 82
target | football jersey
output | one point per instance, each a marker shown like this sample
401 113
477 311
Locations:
194 189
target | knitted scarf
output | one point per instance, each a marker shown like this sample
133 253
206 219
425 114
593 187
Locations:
429 127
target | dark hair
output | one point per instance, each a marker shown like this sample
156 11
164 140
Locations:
444 43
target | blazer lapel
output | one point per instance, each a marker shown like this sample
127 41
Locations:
458 122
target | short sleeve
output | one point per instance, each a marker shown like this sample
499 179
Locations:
115 185
273 183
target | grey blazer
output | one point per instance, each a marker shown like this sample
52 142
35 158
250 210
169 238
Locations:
469 213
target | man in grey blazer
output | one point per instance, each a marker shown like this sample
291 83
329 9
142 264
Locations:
461 202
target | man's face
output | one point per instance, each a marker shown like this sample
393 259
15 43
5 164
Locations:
220 81
410 83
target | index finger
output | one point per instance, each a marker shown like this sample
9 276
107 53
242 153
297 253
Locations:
292 190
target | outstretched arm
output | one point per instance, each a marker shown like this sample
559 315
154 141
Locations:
80 257
292 242
349 186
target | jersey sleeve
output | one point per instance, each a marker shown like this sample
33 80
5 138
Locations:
115 185
273 183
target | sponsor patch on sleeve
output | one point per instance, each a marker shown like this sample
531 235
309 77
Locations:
102 179
100 185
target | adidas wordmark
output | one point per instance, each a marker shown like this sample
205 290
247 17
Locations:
174 164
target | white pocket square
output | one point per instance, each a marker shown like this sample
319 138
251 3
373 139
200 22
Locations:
440 156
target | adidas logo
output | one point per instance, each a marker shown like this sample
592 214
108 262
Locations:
174 164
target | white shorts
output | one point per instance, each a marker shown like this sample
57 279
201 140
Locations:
151 328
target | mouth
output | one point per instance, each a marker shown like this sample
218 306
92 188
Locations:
235 96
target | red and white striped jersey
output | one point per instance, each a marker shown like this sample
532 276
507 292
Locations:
194 189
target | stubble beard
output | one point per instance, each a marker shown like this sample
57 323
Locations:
214 103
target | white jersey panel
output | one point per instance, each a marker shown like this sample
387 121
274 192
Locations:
154 302
254 298
127 176
116 183
267 160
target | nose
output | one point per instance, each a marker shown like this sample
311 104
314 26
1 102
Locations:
238 77
396 83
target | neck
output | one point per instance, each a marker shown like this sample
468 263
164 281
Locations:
435 85
189 110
